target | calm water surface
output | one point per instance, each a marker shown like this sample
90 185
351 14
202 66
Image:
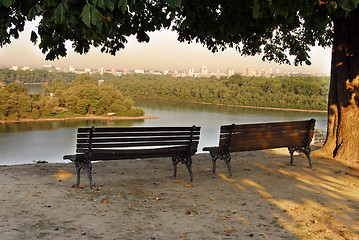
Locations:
48 141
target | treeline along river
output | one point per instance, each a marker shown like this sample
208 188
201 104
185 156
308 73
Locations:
29 142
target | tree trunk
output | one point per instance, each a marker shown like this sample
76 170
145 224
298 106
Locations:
343 104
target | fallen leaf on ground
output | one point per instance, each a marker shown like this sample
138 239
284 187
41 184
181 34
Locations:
105 201
267 196
182 236
62 174
224 216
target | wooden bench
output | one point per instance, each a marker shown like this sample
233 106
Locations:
295 135
93 144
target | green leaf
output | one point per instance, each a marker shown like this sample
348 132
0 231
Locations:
101 4
174 3
95 16
91 15
60 12
256 9
348 5
122 5
34 11
6 3
110 5
86 15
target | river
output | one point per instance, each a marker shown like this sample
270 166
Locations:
29 142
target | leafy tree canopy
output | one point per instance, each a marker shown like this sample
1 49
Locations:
276 28
104 23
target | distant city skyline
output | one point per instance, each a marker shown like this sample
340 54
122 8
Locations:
163 52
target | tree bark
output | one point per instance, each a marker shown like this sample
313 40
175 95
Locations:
343 104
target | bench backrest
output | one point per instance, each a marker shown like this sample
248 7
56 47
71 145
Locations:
136 142
248 137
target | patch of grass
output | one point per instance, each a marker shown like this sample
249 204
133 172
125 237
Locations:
44 224
95 236
42 235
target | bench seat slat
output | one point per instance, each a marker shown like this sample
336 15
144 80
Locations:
147 139
253 145
290 123
139 129
98 154
133 144
266 133
263 127
135 134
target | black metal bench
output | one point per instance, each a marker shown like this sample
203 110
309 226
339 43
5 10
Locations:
295 135
93 144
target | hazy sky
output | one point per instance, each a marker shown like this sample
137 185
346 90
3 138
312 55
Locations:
163 52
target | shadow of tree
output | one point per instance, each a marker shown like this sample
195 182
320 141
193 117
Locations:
312 204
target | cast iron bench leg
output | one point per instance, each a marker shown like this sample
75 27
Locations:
214 157
291 151
78 169
186 161
227 160
89 174
305 150
87 166
225 157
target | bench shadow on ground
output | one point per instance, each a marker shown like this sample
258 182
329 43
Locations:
322 203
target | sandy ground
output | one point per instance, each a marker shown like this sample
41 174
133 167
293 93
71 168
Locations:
138 199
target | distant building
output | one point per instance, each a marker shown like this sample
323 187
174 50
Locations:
203 70
190 72
250 72
141 71
48 67
230 72
101 70
72 69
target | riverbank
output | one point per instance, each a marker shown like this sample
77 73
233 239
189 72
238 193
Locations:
242 106
88 117
138 199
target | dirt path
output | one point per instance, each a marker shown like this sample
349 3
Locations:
138 199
